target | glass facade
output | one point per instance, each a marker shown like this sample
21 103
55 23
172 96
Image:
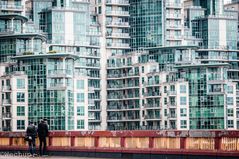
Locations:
146 21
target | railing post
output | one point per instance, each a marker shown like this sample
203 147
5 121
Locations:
151 142
183 141
10 141
122 142
218 142
50 140
72 141
96 141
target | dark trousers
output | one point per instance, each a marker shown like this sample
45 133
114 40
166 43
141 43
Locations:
32 145
42 143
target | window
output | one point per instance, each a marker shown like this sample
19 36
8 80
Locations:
20 97
183 100
80 110
165 101
230 112
80 124
165 89
183 112
230 89
165 112
230 124
80 97
183 124
20 124
142 69
80 84
230 101
183 89
20 83
20 111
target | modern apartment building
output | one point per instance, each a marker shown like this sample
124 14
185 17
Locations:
119 64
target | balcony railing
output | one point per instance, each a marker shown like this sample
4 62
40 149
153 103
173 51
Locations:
6 115
11 6
59 73
118 2
118 35
118 23
117 13
6 88
6 101
122 75
173 5
152 116
120 45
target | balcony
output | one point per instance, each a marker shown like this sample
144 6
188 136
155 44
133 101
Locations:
173 5
89 54
118 13
152 106
123 75
122 118
12 7
151 83
174 16
6 128
172 93
61 73
117 24
171 104
57 86
6 115
152 95
6 102
93 108
172 116
118 35
6 88
117 2
152 117
118 45
88 65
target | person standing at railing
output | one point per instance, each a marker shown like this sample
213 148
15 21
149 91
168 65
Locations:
42 131
31 138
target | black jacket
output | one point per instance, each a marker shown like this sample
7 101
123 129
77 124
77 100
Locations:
42 129
31 131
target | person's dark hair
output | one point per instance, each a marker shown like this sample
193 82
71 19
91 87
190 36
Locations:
45 119
30 122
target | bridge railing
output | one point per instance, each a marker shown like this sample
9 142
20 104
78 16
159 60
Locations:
217 143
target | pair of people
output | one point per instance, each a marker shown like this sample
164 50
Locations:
42 131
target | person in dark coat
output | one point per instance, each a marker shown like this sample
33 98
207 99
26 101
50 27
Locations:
42 134
31 134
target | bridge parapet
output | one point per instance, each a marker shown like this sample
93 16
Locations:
212 143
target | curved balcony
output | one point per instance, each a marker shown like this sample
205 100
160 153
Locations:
14 16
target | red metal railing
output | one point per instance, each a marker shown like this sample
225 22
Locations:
212 143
